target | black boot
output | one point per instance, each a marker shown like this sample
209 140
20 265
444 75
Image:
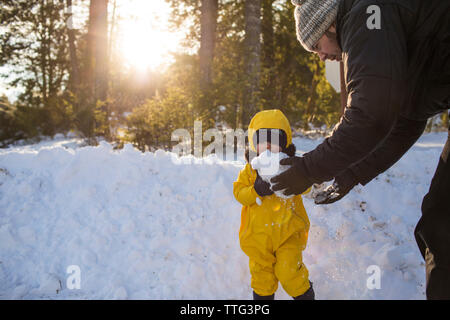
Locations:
308 295
258 297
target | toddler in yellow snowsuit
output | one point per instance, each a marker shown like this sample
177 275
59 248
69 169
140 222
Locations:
273 231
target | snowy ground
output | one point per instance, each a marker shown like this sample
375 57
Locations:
140 226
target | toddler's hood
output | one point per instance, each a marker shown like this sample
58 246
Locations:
269 119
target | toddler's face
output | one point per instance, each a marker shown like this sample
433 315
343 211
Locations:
263 146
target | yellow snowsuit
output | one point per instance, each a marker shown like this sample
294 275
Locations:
273 234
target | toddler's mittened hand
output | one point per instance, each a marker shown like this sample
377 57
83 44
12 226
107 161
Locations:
262 187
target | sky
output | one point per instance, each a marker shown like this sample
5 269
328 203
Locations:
4 90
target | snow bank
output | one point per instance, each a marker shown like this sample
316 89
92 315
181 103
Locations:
145 226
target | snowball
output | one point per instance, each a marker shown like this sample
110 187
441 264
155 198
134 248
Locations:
268 166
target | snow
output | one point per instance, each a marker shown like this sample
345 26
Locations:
153 226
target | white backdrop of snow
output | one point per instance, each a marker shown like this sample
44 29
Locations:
143 226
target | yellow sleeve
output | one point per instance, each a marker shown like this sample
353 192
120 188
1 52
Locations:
243 189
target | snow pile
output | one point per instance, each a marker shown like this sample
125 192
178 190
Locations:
149 226
268 166
138 225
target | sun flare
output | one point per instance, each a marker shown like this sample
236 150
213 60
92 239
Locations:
145 41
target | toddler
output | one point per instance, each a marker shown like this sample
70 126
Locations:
274 230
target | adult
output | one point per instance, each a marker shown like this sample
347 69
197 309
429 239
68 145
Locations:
396 56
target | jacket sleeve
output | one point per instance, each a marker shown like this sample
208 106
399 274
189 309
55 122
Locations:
243 189
376 67
400 140
307 191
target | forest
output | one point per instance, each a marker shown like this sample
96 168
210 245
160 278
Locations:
101 69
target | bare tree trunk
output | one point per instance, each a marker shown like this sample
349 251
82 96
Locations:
89 63
268 52
252 11
111 31
208 21
44 52
97 45
101 57
74 63
311 103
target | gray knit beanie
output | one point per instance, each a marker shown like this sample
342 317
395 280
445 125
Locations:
312 19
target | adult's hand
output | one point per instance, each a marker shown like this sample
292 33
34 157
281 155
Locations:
339 189
293 181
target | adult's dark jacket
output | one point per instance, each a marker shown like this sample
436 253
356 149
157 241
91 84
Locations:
396 77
